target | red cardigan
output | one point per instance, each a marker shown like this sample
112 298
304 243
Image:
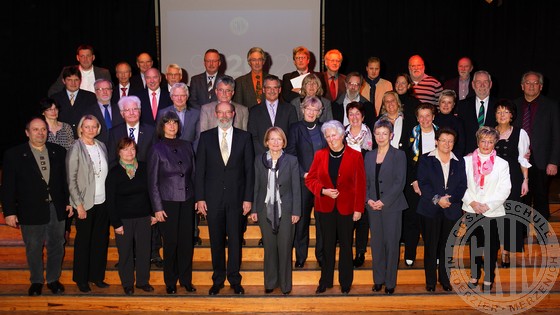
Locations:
351 182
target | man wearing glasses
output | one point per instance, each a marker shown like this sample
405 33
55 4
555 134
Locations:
203 85
301 56
353 82
225 89
248 87
332 81
106 111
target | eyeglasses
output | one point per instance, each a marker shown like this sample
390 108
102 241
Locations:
212 61
103 89
353 84
531 83
256 60
505 112
173 74
179 95
271 88
300 58
130 110
54 109
224 112
224 91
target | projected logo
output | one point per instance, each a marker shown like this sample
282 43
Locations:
516 289
239 26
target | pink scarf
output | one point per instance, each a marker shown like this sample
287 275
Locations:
482 169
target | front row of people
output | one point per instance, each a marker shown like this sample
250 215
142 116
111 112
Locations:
134 195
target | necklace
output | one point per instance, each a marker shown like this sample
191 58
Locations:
97 172
336 156
311 128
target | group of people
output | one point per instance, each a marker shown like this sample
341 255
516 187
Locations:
151 157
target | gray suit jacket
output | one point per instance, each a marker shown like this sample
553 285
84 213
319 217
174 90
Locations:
208 118
245 91
198 90
98 73
391 178
79 171
190 129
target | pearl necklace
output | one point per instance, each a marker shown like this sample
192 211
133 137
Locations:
337 156
97 173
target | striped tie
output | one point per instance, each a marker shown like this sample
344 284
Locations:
481 114
527 119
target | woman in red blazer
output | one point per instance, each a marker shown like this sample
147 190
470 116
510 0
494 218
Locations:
337 179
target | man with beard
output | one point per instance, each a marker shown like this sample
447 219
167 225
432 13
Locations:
224 183
353 82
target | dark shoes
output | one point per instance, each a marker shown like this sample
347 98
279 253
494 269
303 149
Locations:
430 288
321 289
377 287
268 291
238 289
145 288
157 261
83 287
189 287
197 241
56 287
261 242
128 290
171 289
472 284
389 291
35 289
359 260
101 284
215 289
344 290
447 287
299 264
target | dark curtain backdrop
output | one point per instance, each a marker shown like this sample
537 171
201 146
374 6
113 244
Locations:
40 37
506 38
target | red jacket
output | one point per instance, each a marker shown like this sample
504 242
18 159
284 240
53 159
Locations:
351 182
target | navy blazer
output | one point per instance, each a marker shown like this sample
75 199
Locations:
222 184
300 145
24 191
391 178
170 172
144 143
431 183
198 90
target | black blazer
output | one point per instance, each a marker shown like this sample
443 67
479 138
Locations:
259 122
466 110
287 94
71 114
224 185
324 77
144 143
338 111
146 107
453 84
545 134
198 91
431 183
58 85
116 119
300 145
25 193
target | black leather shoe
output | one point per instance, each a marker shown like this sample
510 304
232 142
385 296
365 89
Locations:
35 289
243 242
299 264
321 289
197 241
377 287
344 290
268 291
101 284
359 260
83 287
189 287
238 289
128 290
389 291
56 287
287 292
146 288
215 289
447 287
157 261
171 289
430 288
261 242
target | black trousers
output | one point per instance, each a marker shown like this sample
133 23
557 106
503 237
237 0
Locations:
538 190
333 224
435 232
411 224
301 239
178 235
484 246
361 228
134 251
90 245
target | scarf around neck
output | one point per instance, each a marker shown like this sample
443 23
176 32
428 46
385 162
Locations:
480 169
415 140
130 168
272 200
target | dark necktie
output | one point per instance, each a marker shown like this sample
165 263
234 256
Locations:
258 89
107 117
480 118
123 92
332 87
209 85
527 119
131 134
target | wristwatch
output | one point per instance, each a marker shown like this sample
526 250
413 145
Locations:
436 199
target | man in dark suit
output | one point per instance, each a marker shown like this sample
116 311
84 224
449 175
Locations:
224 183
539 116
301 57
123 87
35 198
202 87
85 56
248 87
144 62
462 83
272 112
106 111
331 80
153 98
142 134
189 116
479 110
74 102
353 82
